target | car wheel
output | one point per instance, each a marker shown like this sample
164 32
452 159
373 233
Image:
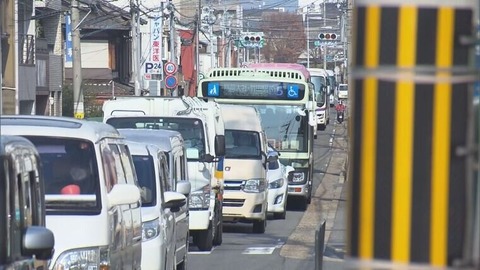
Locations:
260 225
204 239
218 239
281 215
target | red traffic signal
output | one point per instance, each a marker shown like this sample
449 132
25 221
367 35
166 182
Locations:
253 38
327 36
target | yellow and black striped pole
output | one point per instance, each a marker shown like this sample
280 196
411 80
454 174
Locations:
412 82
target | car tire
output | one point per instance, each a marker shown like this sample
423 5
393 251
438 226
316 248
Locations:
204 239
259 226
280 215
218 239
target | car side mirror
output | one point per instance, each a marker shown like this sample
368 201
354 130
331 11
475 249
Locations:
184 187
38 241
219 145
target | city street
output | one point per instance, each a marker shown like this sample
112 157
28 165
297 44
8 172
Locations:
290 243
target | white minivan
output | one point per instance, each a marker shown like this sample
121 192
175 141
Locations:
171 143
246 187
91 193
159 206
25 242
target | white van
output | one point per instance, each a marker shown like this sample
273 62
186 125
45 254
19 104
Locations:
25 242
92 198
343 91
319 78
246 187
171 143
201 125
159 206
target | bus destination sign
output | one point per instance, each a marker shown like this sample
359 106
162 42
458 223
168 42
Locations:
253 90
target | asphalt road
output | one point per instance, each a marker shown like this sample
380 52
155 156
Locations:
290 243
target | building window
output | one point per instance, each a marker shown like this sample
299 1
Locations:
41 72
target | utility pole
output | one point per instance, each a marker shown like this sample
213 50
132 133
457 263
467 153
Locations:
197 39
309 7
174 92
78 108
172 33
1 63
134 17
324 13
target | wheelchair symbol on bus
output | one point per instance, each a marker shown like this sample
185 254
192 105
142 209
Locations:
292 91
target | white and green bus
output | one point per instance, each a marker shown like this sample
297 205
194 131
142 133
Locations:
284 98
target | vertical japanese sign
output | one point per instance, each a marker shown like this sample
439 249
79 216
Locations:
68 39
154 66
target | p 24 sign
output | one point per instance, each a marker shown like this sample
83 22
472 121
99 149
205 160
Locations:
153 68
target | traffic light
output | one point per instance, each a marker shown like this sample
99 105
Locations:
327 36
252 40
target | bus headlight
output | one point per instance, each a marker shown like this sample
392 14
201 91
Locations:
150 229
253 186
83 259
276 184
200 199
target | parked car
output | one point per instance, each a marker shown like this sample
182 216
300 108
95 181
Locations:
171 143
25 242
92 198
158 206
277 176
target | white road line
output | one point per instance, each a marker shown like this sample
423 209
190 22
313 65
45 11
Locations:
258 250
202 252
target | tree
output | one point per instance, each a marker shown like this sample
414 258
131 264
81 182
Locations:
284 36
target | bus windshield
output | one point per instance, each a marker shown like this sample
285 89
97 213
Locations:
320 90
286 130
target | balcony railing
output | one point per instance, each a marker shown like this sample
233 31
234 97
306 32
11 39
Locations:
27 49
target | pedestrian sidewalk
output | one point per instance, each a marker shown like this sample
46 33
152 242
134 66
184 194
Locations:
324 203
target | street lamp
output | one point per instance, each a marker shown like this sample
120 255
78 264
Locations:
309 8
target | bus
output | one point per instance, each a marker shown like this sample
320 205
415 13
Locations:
319 79
285 101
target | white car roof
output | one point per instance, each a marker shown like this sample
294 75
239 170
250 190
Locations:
232 114
161 138
55 126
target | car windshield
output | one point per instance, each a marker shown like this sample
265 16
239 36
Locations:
145 170
343 87
190 128
242 144
69 168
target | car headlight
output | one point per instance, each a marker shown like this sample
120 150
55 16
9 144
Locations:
200 199
83 259
298 177
253 185
276 184
150 229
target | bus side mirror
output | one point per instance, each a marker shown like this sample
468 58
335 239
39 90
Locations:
219 145
310 105
312 119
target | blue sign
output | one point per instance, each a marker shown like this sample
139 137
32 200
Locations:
213 89
68 39
170 82
292 91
